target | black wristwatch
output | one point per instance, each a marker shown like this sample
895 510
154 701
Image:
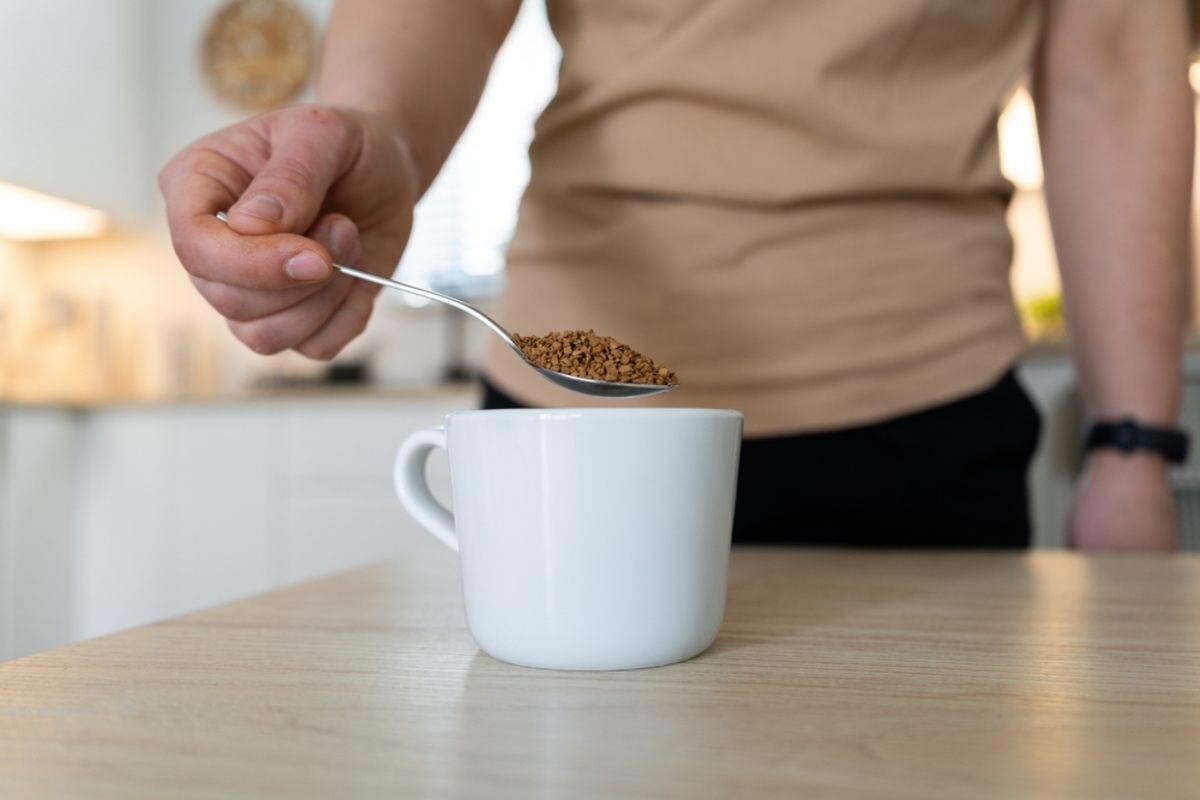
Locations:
1127 436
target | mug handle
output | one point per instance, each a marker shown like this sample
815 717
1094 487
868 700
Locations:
413 490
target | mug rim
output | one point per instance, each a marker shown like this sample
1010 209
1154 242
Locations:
553 414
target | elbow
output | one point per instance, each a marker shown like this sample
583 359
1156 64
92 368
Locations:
1125 50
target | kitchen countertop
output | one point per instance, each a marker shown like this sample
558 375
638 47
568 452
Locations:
836 674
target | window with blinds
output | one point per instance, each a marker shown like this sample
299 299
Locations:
464 222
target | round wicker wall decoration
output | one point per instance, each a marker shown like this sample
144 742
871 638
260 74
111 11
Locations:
259 54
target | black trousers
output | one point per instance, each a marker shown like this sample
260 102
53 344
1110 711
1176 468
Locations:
950 476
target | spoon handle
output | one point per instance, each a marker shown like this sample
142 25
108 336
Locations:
428 294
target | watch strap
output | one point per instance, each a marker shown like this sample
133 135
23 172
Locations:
1126 435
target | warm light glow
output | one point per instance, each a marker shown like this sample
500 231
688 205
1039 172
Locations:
26 216
1194 76
1020 154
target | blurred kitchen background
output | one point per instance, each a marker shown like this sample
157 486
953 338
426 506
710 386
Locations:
150 464
97 95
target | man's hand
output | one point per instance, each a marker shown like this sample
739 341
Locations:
303 186
1124 502
309 185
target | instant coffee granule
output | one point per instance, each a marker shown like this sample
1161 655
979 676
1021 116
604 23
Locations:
586 355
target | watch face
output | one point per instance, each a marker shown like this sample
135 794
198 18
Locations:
258 54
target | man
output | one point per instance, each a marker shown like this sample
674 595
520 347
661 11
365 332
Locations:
796 206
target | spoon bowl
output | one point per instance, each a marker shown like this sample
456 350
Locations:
594 388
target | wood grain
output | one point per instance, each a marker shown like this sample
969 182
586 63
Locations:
836 674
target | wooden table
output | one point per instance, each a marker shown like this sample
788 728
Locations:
836 674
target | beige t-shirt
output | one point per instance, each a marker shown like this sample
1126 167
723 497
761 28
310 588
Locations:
796 205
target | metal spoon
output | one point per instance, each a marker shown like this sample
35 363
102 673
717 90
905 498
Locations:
588 386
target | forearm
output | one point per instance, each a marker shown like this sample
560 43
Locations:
1116 125
421 65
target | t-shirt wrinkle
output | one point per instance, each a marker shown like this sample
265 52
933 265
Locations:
797 206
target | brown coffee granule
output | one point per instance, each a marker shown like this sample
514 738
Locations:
586 355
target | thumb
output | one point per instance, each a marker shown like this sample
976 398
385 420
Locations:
310 148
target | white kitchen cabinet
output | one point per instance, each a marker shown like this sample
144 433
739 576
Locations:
115 517
73 101
340 510
173 514
225 501
37 537
187 506
122 519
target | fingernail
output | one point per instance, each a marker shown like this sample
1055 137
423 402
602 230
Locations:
306 266
263 206
343 237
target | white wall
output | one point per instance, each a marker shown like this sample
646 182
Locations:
183 106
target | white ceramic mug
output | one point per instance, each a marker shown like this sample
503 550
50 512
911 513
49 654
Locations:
590 538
